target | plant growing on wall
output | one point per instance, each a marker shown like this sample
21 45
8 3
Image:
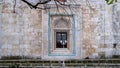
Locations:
110 1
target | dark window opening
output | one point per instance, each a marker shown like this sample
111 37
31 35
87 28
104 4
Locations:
61 39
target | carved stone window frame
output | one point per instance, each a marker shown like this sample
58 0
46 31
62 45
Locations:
71 49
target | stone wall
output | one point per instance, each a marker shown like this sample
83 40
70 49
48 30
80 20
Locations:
24 31
21 30
92 25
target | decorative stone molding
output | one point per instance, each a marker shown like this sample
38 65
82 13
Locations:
61 23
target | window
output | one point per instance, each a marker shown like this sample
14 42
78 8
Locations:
61 39
61 35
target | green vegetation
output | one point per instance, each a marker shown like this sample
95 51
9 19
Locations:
110 1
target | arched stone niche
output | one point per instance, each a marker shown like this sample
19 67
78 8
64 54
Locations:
61 23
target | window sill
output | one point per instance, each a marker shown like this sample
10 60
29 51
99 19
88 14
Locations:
62 51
